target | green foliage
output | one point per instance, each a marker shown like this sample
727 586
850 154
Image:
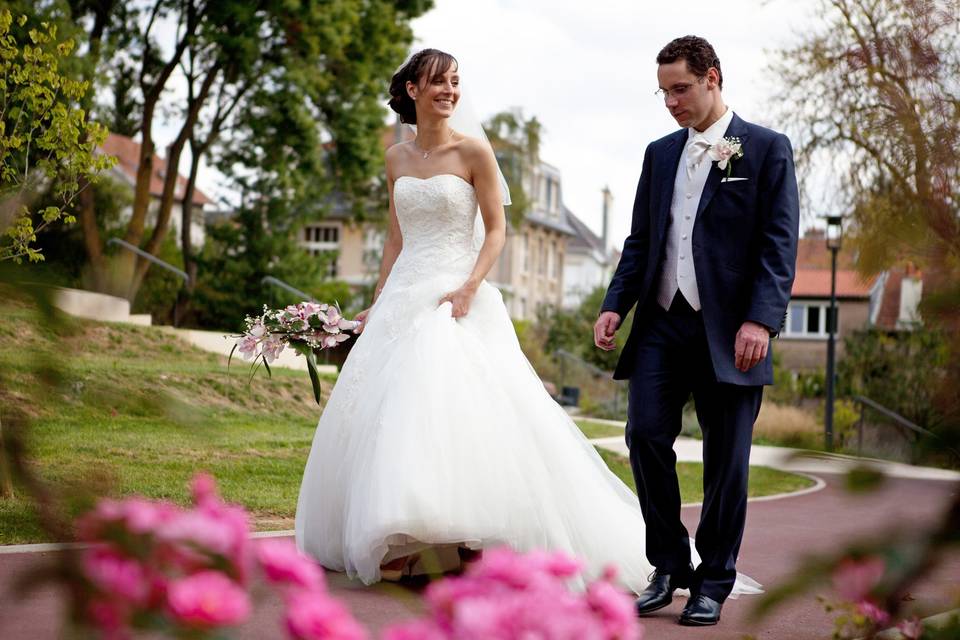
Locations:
901 371
46 140
572 331
236 257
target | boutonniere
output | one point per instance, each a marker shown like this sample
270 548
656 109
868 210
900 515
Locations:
725 152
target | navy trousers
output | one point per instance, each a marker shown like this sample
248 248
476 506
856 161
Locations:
673 362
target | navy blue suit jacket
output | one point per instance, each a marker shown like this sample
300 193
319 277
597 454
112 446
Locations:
744 245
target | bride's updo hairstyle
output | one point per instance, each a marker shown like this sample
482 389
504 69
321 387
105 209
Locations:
422 65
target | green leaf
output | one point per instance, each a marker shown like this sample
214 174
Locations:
314 375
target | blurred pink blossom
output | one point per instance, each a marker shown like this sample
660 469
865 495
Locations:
203 488
617 613
314 615
853 579
873 613
116 575
283 563
208 599
911 629
109 619
507 595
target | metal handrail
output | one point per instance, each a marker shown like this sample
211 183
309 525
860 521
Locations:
149 256
892 415
160 263
289 288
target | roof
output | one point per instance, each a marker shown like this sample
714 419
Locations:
585 238
815 283
128 159
812 252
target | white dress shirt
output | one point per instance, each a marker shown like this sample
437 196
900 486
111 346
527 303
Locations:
678 271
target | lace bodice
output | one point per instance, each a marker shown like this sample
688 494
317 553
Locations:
437 217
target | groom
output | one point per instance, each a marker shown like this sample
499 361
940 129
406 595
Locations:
709 262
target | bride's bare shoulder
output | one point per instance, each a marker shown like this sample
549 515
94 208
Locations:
396 155
474 148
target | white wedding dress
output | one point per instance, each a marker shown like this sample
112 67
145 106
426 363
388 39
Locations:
439 432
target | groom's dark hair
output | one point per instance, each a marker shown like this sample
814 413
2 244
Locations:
698 53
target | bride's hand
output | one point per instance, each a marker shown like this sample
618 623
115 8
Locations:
362 319
460 299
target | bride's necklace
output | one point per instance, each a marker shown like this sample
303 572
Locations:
426 152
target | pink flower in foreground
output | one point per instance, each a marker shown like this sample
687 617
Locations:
109 619
283 563
134 515
873 613
911 629
615 609
854 579
208 599
116 575
415 630
313 615
203 487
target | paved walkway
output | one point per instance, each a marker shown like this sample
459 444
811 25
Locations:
779 535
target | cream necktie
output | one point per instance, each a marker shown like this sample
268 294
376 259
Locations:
696 150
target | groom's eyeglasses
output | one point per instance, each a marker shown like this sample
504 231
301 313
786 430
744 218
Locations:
678 90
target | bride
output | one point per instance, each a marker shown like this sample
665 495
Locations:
438 434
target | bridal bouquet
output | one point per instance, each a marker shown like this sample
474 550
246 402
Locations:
306 327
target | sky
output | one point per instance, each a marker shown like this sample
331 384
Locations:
587 71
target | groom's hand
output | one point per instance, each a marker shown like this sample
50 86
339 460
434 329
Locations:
604 330
751 345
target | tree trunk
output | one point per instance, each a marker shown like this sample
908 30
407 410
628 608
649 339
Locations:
186 248
91 236
170 182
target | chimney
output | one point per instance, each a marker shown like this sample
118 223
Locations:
607 203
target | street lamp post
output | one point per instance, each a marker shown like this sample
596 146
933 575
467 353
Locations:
834 238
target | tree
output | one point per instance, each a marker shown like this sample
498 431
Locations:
516 142
335 55
873 94
46 140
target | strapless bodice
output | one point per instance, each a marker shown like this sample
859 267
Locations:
437 217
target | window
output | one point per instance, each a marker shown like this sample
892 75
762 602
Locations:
807 320
542 266
526 253
321 237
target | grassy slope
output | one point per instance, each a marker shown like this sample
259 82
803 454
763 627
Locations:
136 411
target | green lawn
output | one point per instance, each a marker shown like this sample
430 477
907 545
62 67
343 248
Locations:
593 429
135 411
764 481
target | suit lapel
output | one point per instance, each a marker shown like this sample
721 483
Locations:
670 160
736 129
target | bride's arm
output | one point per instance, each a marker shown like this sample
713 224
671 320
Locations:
391 246
486 183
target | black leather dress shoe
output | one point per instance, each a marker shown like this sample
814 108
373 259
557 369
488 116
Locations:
659 593
701 611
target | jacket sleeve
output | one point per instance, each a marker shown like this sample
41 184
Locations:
779 232
624 289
